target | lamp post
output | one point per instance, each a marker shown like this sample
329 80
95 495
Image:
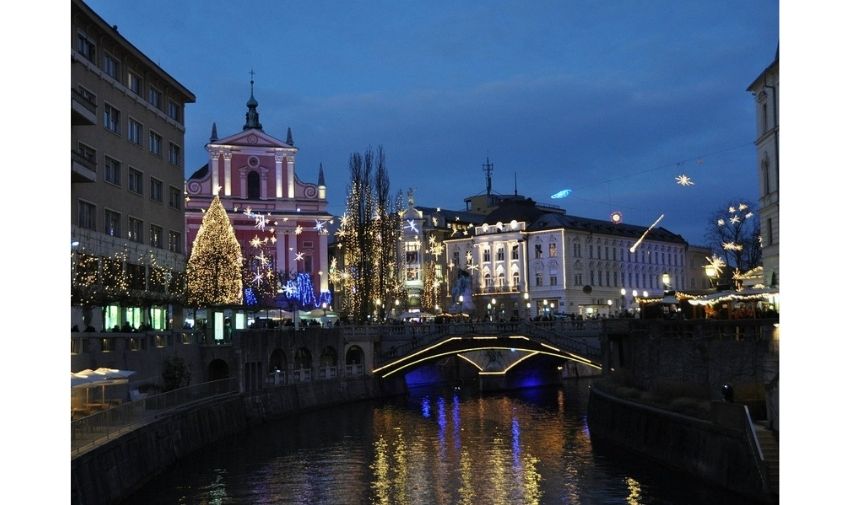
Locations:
493 303
528 306
460 301
609 302
545 307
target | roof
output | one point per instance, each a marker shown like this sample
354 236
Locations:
764 72
201 172
517 209
550 221
461 216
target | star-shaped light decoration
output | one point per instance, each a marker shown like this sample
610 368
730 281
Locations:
748 215
732 209
721 222
735 219
264 261
299 229
731 246
271 230
319 225
742 206
716 262
217 188
411 224
615 217
260 223
255 242
272 239
258 278
684 180
450 265
300 256
474 267
248 211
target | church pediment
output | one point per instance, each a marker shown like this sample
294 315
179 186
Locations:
253 138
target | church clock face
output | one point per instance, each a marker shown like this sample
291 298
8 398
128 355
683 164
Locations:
252 139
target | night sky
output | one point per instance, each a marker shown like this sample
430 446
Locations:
612 100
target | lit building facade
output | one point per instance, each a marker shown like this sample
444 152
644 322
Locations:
765 89
275 215
534 263
128 146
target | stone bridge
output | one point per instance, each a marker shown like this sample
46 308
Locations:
493 348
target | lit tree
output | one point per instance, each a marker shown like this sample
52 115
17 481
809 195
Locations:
214 271
370 233
735 230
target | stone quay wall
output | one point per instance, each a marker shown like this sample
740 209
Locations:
111 472
718 451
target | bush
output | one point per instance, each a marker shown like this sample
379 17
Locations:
176 373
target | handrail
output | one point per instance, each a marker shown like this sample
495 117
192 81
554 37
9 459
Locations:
97 428
752 437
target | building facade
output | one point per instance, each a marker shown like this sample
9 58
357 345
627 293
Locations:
765 90
128 146
525 262
280 221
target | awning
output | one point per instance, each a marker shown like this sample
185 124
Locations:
99 377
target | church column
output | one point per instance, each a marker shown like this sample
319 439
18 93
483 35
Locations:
243 182
282 251
291 178
323 259
264 183
213 170
279 176
292 249
228 157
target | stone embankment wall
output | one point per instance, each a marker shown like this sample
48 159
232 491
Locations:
711 450
111 472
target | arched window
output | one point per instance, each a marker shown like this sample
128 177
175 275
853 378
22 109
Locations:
253 185
487 280
500 279
516 280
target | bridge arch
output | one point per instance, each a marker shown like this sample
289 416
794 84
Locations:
218 369
277 361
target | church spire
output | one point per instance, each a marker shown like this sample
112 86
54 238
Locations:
321 179
289 136
214 136
252 119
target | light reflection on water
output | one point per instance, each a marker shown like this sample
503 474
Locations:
449 447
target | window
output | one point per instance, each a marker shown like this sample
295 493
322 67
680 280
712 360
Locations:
154 97
173 110
154 143
411 253
598 252
135 181
538 251
577 250
112 171
253 185
174 241
87 152
155 190
769 231
111 118
175 198
135 230
515 278
134 131
486 254
112 223
456 260
615 279
765 174
411 273
488 281
89 95
515 252
538 279
553 252
577 279
156 236
135 83
86 47
500 254
111 66
500 280
86 215
173 154
553 280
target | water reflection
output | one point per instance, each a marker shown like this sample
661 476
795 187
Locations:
457 447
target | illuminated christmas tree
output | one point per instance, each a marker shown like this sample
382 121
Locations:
214 271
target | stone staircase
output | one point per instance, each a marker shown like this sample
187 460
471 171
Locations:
769 442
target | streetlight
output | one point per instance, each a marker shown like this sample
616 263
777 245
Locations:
460 299
711 272
667 285
493 302
545 309
609 302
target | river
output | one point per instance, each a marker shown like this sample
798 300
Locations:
434 446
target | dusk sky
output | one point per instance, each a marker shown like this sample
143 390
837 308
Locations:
611 99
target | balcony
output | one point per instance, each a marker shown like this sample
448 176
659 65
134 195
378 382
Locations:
498 289
83 110
83 168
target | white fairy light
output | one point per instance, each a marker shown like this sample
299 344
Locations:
684 180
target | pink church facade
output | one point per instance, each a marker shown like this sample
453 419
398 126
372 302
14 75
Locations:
272 210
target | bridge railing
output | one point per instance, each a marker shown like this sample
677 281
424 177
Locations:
97 428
